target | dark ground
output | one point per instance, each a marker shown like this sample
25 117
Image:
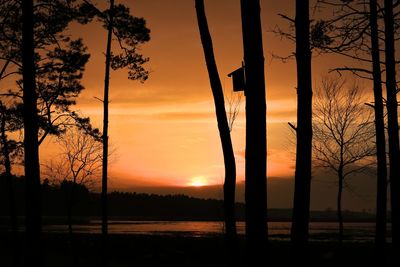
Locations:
153 250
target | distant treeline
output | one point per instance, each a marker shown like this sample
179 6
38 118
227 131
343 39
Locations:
141 206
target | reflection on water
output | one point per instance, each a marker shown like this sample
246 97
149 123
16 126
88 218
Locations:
277 230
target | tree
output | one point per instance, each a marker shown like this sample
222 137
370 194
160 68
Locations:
343 134
104 180
393 124
51 66
59 84
381 198
224 132
130 32
79 163
302 37
60 63
256 138
10 121
302 179
354 32
31 145
233 102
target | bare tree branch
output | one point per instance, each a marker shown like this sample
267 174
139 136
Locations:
343 128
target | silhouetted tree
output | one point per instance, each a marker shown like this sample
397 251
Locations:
10 121
301 35
233 102
59 65
31 145
393 124
343 134
59 84
59 61
381 198
41 51
354 33
104 180
224 133
256 138
301 200
80 162
130 32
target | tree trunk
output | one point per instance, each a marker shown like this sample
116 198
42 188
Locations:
256 139
381 189
301 201
70 206
339 205
69 213
11 193
225 137
31 147
104 180
393 126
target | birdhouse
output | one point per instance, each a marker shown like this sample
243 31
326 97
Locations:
238 79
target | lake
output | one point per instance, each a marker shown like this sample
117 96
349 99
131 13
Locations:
353 231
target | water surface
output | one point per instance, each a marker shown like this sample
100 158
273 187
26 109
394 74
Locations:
354 231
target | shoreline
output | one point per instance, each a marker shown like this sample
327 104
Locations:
86 219
155 250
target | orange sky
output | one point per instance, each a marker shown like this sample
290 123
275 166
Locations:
164 130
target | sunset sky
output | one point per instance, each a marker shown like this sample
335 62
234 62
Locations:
165 130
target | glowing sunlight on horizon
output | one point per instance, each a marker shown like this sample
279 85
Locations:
198 181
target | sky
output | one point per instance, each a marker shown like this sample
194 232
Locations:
164 131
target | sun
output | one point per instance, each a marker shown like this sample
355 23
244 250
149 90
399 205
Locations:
198 181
